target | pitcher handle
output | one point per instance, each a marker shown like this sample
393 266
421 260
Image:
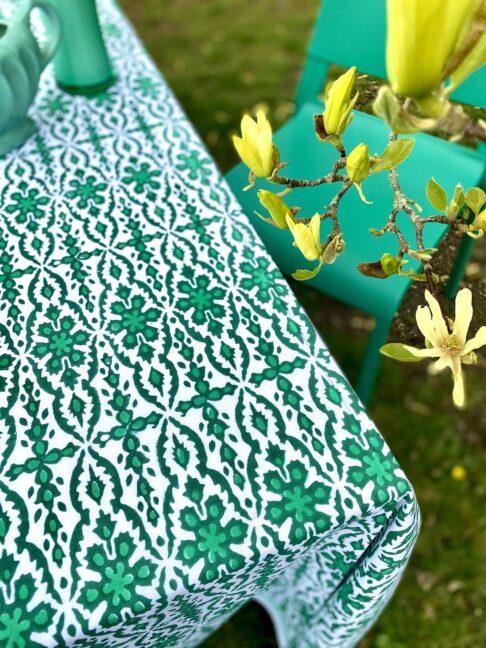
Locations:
53 28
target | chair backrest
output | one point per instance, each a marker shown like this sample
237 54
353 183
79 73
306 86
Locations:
353 32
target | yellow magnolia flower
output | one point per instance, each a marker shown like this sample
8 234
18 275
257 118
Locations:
337 113
450 349
422 35
307 237
255 146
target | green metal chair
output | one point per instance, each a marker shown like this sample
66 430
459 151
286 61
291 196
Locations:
354 33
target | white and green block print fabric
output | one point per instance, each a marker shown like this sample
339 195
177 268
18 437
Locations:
175 439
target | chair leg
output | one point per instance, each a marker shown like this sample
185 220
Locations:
463 254
372 360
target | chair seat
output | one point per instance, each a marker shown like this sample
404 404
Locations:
448 163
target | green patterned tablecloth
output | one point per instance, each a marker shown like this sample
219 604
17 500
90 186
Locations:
175 438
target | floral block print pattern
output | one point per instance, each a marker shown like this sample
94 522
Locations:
175 438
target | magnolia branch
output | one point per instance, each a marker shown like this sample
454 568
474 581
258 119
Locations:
334 204
331 177
475 130
332 209
401 203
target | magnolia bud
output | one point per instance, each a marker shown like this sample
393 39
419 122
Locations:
420 39
457 202
337 113
307 237
390 264
276 207
255 146
358 164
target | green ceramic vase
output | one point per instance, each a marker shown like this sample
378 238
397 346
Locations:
81 64
22 61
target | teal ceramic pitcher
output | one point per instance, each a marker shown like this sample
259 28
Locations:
22 61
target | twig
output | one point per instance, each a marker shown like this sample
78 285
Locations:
401 203
332 176
476 131
334 204
332 209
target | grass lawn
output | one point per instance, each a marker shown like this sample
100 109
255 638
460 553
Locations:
222 57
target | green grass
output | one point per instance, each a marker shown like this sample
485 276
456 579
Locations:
222 57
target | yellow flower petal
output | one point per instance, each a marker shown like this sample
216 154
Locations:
424 322
437 319
337 108
421 36
248 155
439 365
348 116
424 353
304 238
265 144
306 244
476 342
239 146
315 228
261 119
255 146
458 393
247 125
464 313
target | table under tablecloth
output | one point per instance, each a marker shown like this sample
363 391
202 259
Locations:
175 438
